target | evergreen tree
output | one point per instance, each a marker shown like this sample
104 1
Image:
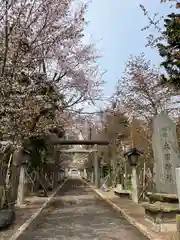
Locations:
170 51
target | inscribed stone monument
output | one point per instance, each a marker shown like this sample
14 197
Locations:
166 153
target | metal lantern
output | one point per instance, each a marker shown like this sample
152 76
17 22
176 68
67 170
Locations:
132 155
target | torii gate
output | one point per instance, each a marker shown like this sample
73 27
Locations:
92 150
18 159
80 149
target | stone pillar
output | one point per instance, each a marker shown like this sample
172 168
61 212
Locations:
178 227
21 187
178 183
85 174
80 171
134 185
15 175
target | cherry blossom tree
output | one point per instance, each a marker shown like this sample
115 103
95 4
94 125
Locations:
140 91
45 69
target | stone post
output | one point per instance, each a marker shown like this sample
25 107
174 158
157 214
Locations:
21 187
85 174
92 177
14 176
134 185
178 183
178 227
81 173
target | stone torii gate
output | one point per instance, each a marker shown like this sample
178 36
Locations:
92 150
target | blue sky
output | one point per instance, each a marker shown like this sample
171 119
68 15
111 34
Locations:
115 26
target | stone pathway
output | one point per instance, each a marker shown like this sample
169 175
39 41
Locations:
78 214
136 213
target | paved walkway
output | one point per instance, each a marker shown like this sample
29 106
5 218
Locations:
78 214
136 213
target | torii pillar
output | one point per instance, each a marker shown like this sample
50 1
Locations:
96 170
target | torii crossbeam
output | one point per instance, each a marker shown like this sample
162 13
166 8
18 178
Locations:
80 142
78 150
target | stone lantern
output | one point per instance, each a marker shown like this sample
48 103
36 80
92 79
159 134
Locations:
132 155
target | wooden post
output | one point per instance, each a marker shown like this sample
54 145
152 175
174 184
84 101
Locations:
56 166
21 187
125 179
178 227
144 178
134 185
58 175
2 196
66 172
96 170
62 175
55 177
92 177
113 162
89 175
